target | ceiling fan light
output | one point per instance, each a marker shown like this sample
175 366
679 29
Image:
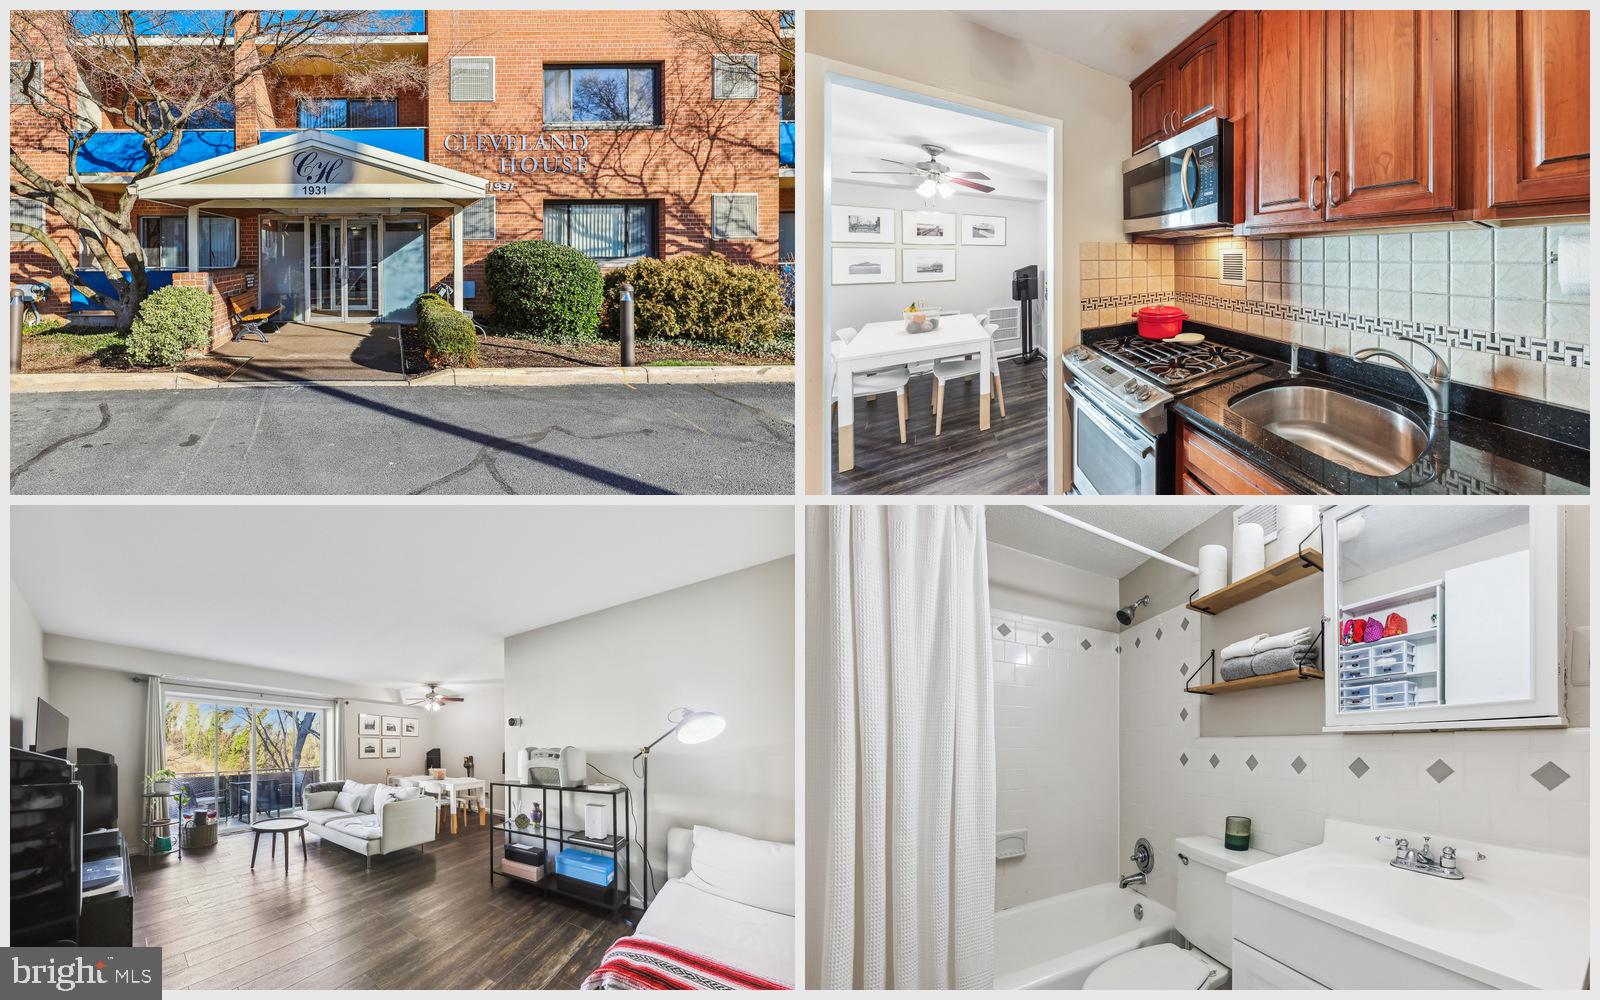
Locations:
946 189
926 189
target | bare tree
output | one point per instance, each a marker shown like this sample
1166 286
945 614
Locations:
158 74
766 34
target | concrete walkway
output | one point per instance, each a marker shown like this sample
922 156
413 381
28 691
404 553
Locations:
315 351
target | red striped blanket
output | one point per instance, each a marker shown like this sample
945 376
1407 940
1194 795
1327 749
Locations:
641 963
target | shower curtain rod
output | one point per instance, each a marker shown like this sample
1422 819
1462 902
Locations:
1108 536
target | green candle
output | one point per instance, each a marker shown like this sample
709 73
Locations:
1236 835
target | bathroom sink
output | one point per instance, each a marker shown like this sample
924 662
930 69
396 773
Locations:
1359 435
1422 900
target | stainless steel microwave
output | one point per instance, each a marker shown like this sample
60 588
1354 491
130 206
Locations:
1183 183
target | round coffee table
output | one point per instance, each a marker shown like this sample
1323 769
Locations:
273 827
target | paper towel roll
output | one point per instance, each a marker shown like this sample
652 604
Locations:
1249 552
1572 266
1295 521
1213 568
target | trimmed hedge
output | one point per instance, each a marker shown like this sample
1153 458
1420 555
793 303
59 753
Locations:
544 290
171 322
447 335
703 298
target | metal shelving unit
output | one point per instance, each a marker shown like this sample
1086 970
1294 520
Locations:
158 822
613 898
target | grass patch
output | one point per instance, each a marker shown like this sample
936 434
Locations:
52 347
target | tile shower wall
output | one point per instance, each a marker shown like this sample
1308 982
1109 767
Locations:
1487 299
1524 788
1055 754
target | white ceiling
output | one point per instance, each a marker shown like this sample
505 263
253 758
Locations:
384 595
867 127
1120 43
1018 526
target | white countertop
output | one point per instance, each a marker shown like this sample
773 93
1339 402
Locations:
1517 920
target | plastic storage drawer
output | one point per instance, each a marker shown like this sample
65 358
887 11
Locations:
1393 694
1357 671
1355 701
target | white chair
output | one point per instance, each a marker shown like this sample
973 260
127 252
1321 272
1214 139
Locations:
952 369
871 383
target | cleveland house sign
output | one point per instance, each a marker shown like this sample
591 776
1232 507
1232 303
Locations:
547 152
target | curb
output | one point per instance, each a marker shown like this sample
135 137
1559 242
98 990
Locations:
98 382
131 381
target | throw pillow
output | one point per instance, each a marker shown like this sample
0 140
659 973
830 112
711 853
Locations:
321 800
368 792
347 801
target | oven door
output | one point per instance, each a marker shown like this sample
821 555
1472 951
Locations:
1108 458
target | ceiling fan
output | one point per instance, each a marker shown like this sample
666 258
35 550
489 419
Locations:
434 699
936 177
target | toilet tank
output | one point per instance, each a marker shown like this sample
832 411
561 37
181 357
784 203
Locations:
1205 903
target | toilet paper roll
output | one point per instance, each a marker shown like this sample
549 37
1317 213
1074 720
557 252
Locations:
1572 266
1249 551
1213 568
1295 521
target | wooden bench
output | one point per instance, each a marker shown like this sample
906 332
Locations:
247 323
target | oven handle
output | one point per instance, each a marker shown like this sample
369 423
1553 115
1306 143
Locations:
1140 448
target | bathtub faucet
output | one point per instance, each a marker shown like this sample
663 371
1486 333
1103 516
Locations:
1137 878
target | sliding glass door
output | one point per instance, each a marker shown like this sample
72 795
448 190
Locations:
242 761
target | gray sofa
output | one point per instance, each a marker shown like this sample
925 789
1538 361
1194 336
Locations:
392 826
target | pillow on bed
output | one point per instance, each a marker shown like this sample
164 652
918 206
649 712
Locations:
759 873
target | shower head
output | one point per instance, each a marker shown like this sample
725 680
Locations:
1125 615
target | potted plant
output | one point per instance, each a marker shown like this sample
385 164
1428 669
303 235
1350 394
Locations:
183 799
160 782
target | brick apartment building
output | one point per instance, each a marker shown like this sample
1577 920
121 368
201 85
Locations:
598 129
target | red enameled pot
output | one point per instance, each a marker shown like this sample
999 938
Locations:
1160 322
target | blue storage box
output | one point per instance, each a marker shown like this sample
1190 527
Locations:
585 866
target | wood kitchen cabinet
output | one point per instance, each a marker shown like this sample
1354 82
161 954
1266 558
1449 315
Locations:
1207 467
1285 141
1189 86
1150 111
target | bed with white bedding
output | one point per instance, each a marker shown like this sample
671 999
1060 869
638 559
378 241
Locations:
724 919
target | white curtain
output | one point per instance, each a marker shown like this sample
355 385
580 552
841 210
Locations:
901 788
155 727
333 742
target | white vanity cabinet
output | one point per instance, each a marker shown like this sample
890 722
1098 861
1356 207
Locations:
1469 596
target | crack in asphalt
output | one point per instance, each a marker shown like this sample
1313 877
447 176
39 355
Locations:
774 427
488 456
105 421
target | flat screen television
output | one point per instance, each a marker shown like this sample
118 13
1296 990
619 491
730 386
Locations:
50 731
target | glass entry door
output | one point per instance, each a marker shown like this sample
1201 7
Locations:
361 264
326 267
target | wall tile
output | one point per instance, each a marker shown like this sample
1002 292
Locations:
1394 246
1471 245
1363 248
1519 244
1519 281
1430 246
1471 279
1430 276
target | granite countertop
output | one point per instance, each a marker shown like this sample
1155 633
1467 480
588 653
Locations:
1471 456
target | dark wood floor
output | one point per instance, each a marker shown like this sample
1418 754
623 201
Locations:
1009 458
414 921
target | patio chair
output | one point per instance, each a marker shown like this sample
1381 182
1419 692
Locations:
247 324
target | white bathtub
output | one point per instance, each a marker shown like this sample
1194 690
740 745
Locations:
1054 943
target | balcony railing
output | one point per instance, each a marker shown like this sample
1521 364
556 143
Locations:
119 152
412 142
786 144
212 23
229 792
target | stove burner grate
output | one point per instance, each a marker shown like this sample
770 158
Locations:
1172 364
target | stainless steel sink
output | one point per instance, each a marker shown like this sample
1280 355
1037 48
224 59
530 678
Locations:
1361 436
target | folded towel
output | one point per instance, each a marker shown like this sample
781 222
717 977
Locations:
1236 669
1244 647
1278 660
1284 640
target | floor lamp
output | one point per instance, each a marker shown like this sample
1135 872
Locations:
691 726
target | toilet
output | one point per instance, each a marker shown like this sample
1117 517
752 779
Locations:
1205 919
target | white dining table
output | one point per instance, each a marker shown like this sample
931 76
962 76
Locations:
455 788
886 344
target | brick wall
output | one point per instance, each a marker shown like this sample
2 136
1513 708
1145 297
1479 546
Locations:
220 284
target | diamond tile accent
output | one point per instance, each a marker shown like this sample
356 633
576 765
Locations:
1439 771
1549 775
1183 759
1158 635
1137 642
1215 760
1299 764
1358 767
1184 669
1004 629
1184 624
1048 638
1251 762
1085 644
1183 715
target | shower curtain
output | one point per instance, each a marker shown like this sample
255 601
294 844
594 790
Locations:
901 787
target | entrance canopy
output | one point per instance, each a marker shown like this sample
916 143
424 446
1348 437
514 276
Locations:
313 173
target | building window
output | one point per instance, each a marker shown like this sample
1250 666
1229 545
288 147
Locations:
27 80
734 76
735 216
218 116
86 261
601 95
478 219
785 236
610 231
29 212
472 78
165 241
347 112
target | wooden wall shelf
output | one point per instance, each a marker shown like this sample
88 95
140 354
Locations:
1264 581
1265 680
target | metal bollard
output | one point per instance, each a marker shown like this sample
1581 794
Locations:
16 329
626 325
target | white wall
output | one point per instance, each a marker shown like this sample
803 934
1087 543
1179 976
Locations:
29 681
412 748
105 711
476 726
1028 584
606 681
983 274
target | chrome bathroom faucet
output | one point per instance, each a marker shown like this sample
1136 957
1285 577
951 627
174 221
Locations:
1422 861
1137 878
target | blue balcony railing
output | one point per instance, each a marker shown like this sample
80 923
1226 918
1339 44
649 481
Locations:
215 23
123 152
786 144
412 142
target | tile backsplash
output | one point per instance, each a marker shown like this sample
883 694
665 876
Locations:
1055 754
1488 300
1522 788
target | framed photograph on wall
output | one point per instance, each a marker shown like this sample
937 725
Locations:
391 748
408 727
391 725
919 228
983 230
367 747
367 725
927 265
863 265
854 224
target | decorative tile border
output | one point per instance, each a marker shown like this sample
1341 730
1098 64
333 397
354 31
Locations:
1546 350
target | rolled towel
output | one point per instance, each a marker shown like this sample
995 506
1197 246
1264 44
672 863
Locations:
1244 648
1237 668
1275 661
1284 640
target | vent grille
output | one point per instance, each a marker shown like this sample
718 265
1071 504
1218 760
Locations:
1264 514
1231 267
472 78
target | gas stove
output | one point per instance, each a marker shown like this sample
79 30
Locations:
1172 365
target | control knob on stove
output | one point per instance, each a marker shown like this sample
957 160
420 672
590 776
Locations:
1145 394
1079 353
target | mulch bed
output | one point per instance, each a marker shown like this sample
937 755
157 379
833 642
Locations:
510 352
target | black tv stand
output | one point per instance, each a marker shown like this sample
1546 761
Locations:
107 919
